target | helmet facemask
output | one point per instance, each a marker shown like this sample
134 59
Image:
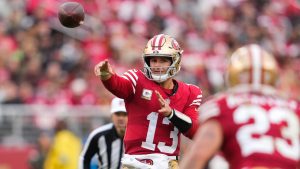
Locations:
170 71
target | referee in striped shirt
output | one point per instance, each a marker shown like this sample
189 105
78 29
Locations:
107 141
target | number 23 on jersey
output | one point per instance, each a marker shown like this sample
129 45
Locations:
287 144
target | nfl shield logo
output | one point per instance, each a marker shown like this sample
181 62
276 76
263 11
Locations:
147 94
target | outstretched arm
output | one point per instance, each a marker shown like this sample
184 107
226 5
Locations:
206 143
103 70
120 86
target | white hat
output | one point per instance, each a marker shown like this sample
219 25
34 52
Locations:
117 105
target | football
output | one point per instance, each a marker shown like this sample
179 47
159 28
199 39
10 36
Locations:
71 14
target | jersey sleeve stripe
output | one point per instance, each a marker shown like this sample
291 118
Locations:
131 83
124 77
199 96
131 78
133 88
134 74
196 102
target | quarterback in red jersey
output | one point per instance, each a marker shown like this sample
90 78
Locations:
252 124
159 107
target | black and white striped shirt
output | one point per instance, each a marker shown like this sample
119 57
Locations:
105 142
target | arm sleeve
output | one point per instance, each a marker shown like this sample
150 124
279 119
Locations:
122 86
187 123
180 120
88 152
191 111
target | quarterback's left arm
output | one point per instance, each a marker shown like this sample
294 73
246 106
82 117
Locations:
187 121
190 112
186 124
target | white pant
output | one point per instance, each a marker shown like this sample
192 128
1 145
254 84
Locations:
147 161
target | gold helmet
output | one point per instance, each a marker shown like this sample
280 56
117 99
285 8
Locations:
253 65
162 46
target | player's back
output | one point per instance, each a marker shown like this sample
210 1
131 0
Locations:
261 128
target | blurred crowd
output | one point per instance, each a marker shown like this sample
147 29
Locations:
42 62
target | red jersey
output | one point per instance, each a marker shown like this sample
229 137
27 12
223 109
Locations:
148 131
260 128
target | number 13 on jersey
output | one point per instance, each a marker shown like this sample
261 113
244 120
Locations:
152 127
